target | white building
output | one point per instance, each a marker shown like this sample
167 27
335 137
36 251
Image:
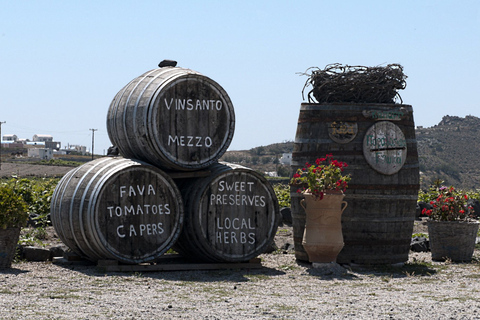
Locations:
77 148
286 159
40 153
271 173
42 138
9 137
60 152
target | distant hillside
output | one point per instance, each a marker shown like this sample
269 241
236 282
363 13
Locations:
449 151
263 158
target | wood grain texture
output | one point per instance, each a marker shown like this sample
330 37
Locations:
378 222
117 208
232 215
173 118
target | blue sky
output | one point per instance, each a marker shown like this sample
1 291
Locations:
62 62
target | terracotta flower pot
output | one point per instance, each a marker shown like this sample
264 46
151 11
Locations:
323 238
453 240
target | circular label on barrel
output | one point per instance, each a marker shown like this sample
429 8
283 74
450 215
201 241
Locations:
138 214
241 215
385 147
193 120
342 132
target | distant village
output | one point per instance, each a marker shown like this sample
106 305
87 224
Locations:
42 146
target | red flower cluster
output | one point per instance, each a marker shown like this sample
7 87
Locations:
325 174
449 205
341 185
329 158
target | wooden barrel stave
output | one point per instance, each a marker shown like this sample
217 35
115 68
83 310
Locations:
82 222
58 203
128 112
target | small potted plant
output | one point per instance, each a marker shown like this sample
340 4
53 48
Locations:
322 185
13 216
452 229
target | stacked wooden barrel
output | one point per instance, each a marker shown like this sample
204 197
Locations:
230 215
171 125
173 118
117 208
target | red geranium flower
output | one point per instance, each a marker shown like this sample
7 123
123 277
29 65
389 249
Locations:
325 174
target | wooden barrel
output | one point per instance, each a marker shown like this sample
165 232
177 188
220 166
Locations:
173 118
231 215
378 143
116 208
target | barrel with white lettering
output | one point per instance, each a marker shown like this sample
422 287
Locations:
117 208
231 215
173 118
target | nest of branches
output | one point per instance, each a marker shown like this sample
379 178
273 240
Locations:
338 83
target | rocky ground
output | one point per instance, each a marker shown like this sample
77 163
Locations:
283 288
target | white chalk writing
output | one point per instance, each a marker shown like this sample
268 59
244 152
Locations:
138 200
132 191
138 209
237 200
235 186
193 104
143 230
190 141
231 231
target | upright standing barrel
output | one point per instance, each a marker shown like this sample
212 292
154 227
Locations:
231 215
173 118
116 208
378 143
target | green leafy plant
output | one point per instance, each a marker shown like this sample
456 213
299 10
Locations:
282 191
420 234
60 162
37 194
325 174
448 204
29 237
13 210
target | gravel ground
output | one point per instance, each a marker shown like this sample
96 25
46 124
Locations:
282 289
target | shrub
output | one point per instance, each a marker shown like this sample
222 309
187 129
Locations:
13 210
37 194
282 191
